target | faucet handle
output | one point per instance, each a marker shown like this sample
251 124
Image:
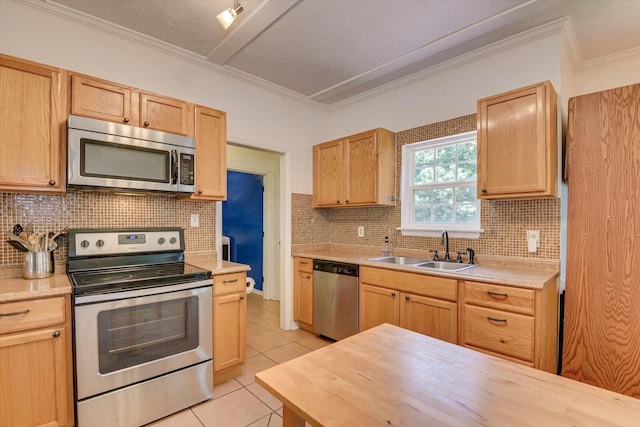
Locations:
459 258
472 255
435 254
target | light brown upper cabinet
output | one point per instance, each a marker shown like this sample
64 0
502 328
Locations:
104 100
211 149
33 110
517 143
358 170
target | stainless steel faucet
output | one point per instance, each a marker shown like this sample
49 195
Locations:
445 242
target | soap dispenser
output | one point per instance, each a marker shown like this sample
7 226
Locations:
386 247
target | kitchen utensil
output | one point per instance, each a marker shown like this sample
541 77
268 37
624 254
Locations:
61 239
29 229
59 233
52 245
19 231
18 240
18 245
34 242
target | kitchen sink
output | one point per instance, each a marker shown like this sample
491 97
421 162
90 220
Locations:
423 263
444 265
402 260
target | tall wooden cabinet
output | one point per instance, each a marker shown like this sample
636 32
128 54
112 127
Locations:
211 148
517 143
602 302
33 111
358 170
35 363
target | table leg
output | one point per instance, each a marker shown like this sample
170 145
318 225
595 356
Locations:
290 418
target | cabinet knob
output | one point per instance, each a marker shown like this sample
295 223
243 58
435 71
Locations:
484 190
337 201
241 296
52 182
393 294
146 123
346 201
199 191
126 120
56 334
407 297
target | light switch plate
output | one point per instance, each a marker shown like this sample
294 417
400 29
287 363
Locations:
361 231
195 220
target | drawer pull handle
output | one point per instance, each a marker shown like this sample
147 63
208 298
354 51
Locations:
408 298
497 294
303 263
493 319
56 334
15 313
229 281
393 294
241 296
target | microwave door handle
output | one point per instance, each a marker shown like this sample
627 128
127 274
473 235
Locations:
174 167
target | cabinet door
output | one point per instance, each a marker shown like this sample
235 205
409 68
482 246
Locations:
429 316
103 100
229 330
33 389
517 143
328 174
211 149
304 297
33 110
166 114
377 306
361 172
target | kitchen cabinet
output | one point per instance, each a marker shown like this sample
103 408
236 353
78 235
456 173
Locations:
303 293
104 100
421 303
35 363
358 170
33 111
602 306
229 325
211 149
510 322
517 143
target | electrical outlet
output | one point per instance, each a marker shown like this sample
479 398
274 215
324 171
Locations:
361 231
195 220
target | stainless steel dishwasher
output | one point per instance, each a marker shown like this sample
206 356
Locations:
335 299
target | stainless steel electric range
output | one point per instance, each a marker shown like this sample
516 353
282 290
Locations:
142 326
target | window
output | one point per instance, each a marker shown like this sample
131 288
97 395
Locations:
438 192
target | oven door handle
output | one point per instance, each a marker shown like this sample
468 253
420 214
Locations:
174 167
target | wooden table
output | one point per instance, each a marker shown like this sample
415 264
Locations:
389 376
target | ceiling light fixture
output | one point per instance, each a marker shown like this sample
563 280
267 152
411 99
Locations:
227 16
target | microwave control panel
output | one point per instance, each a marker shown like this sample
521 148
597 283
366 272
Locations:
187 169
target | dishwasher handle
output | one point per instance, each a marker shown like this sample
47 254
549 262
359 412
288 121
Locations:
335 267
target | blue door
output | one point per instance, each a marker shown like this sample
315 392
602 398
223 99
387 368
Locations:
242 221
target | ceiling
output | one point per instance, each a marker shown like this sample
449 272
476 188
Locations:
331 50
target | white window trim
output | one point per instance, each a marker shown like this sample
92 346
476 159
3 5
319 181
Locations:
470 231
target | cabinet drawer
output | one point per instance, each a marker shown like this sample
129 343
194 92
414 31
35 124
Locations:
505 333
421 284
24 315
304 264
501 297
228 283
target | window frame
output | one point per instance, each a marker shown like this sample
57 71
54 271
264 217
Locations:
408 227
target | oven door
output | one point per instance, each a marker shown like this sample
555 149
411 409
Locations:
124 341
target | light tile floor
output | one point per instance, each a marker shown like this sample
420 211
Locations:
241 402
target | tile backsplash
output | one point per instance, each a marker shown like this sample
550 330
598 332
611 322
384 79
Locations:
103 210
505 221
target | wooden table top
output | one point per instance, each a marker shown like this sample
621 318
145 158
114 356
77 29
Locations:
389 376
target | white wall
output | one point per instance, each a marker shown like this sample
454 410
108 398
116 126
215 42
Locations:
607 73
255 116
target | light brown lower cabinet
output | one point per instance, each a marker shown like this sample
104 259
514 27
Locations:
303 293
421 303
510 322
229 325
35 363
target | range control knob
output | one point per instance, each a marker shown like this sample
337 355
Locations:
161 241
173 240
100 243
84 243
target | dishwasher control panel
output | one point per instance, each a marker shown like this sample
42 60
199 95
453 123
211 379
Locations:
336 267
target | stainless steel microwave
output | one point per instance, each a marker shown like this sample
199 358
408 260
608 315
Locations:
114 156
